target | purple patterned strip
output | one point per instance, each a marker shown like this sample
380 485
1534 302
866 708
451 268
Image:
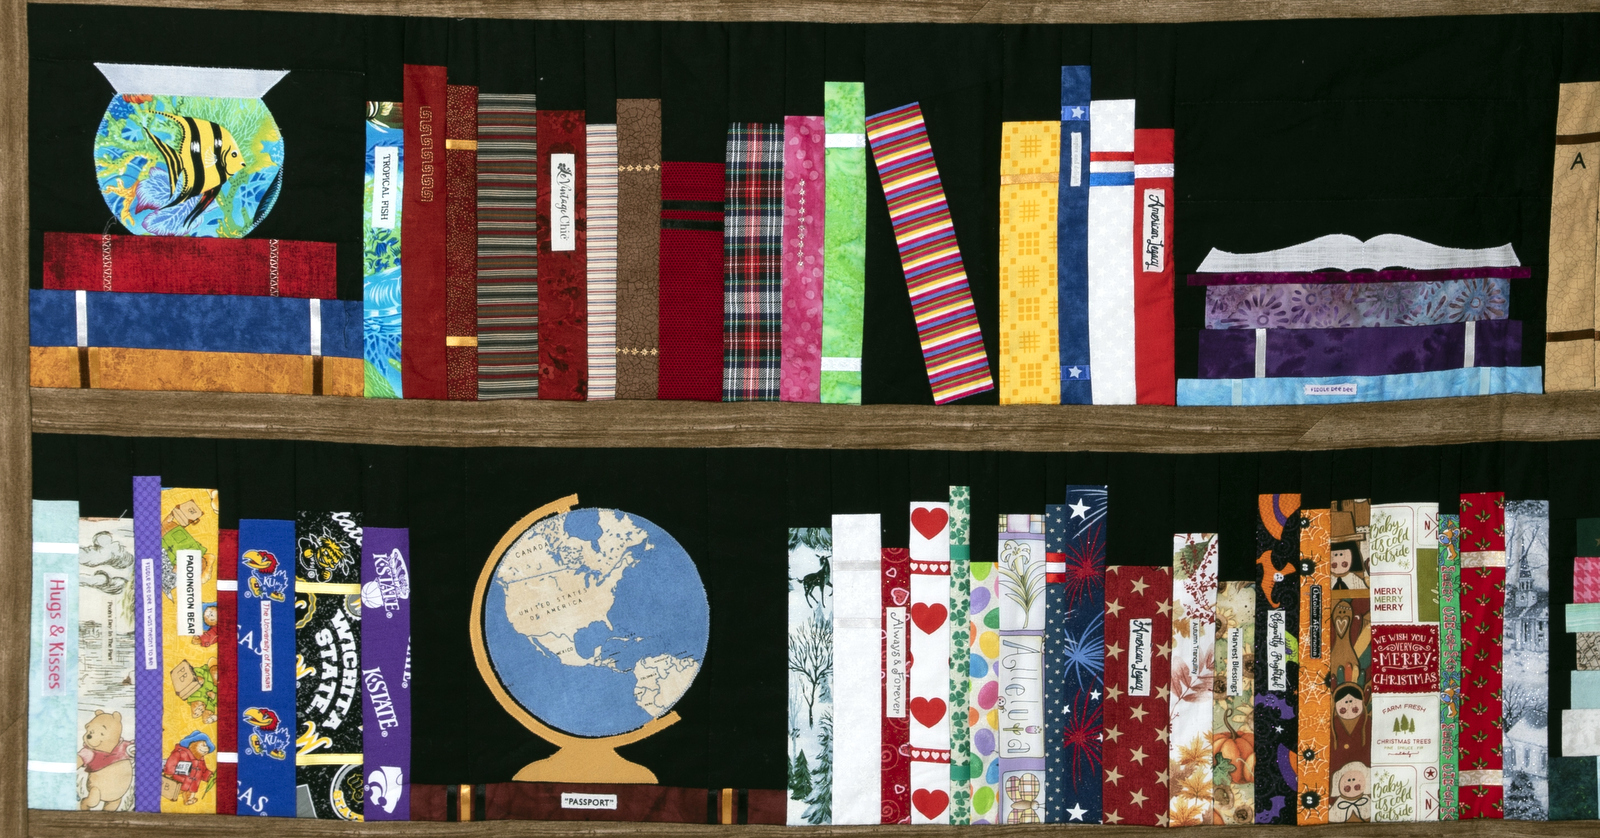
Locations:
1232 353
147 692
386 672
1324 277
1356 305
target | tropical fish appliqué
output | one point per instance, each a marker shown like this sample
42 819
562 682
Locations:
206 157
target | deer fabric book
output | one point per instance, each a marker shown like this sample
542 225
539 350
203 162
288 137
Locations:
1194 604
1350 663
1138 652
1483 582
929 645
1403 574
1316 695
189 655
329 782
811 655
266 673
107 709
52 658
1277 669
1021 570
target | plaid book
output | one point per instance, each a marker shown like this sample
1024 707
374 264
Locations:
508 248
941 301
753 263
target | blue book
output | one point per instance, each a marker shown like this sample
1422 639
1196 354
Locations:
266 668
1072 237
148 690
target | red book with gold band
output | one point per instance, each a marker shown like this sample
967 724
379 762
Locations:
461 243
422 239
190 265
563 257
1138 651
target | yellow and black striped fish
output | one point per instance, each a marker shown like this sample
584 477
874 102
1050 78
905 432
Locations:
204 160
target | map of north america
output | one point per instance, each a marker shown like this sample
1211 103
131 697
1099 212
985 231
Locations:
556 585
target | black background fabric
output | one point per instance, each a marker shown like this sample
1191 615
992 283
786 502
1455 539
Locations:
1438 128
731 510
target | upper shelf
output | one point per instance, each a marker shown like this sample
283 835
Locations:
1172 430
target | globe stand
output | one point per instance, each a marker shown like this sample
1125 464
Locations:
577 759
582 760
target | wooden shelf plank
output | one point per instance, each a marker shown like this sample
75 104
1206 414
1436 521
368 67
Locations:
52 824
1177 430
903 11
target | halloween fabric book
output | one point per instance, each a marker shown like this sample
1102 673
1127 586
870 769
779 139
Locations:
1316 642
1277 667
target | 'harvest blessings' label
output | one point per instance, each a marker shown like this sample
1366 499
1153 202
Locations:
895 684
564 202
1139 652
1235 661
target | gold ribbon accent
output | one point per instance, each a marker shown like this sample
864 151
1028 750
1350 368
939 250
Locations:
461 340
466 145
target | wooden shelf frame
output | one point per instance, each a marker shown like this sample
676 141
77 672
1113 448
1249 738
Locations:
1168 430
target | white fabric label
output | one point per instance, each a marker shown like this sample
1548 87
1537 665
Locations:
227 757
844 141
266 646
895 682
1077 158
1235 661
1153 258
68 547
1277 651
80 301
55 675
841 364
148 630
1261 353
316 326
225 585
1152 170
1139 654
187 595
564 202
1331 389
588 801
1469 348
386 186
46 767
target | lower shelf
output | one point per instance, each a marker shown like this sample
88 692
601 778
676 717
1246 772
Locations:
696 424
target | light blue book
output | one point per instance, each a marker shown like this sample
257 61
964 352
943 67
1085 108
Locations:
53 658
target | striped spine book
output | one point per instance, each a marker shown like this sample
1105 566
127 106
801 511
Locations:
941 301
508 247
602 254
